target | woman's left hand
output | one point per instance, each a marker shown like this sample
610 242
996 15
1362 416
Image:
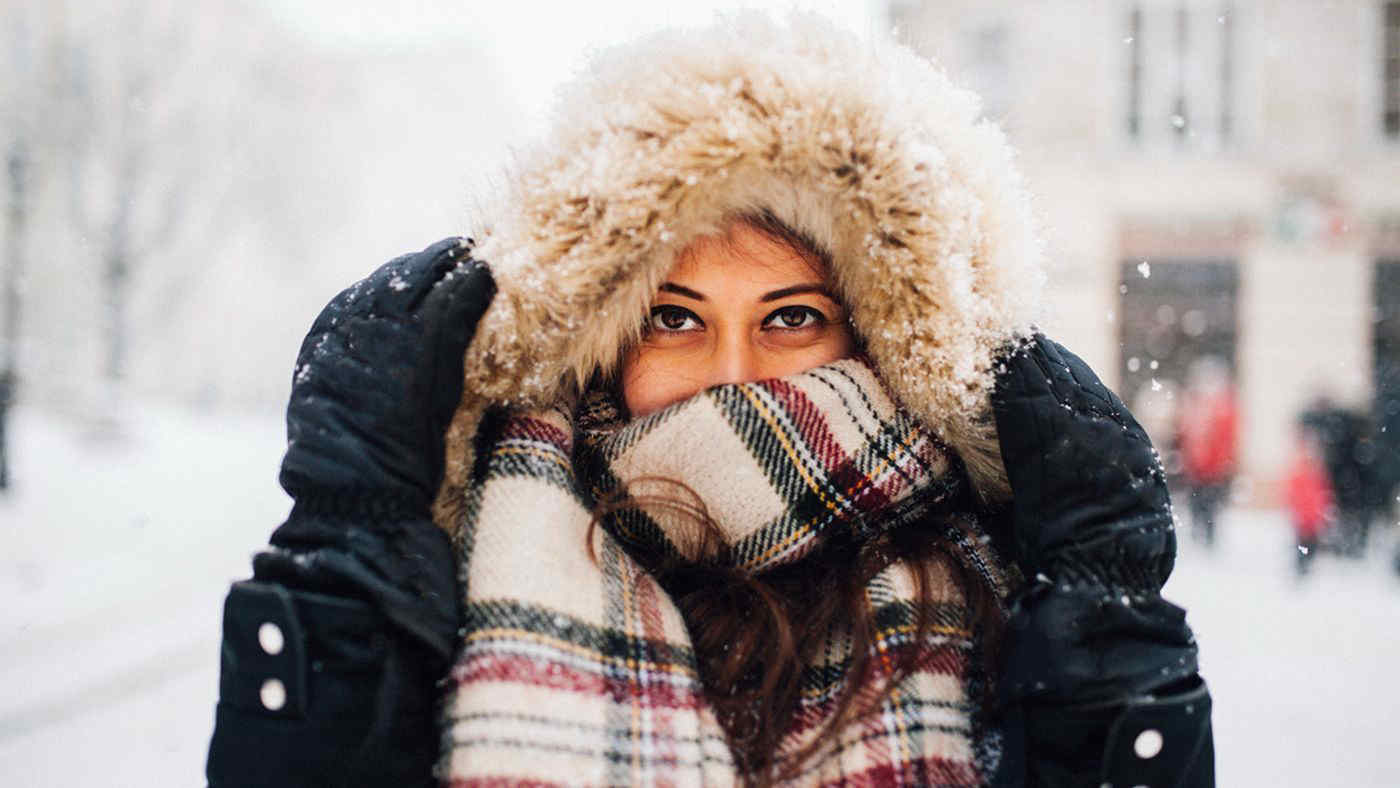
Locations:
1092 647
1086 482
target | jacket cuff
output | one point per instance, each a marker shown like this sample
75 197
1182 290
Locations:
316 692
406 569
273 638
1162 740
360 506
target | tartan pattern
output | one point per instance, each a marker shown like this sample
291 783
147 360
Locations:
573 672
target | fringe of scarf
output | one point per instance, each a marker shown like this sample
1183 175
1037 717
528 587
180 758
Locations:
577 668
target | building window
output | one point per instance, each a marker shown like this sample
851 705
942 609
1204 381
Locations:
1134 42
1227 73
1390 72
1181 113
1181 73
1385 341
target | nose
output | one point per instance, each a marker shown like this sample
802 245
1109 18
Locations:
735 360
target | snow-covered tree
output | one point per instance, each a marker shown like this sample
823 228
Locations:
135 141
27 54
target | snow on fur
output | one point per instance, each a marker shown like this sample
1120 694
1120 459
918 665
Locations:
862 145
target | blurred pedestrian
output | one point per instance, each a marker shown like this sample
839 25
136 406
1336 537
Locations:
1350 455
1207 436
1156 410
1308 492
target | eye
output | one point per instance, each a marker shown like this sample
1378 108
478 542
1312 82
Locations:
673 319
795 317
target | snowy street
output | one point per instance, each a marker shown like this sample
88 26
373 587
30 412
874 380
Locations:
1302 673
117 562
118 558
1200 200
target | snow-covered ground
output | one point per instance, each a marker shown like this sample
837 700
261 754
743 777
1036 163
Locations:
116 562
118 556
1305 675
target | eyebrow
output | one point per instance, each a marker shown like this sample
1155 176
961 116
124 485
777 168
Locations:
671 287
795 290
668 287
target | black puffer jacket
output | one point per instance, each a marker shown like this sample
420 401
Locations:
874 156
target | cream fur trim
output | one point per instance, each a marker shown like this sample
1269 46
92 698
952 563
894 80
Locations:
863 145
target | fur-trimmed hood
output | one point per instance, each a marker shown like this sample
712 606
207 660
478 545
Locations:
861 145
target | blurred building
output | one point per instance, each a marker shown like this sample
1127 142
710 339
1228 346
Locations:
1216 177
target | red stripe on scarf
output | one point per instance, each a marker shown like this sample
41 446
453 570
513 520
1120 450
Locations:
842 473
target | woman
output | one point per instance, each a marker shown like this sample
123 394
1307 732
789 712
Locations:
743 447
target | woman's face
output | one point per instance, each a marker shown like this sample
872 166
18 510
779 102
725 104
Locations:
734 309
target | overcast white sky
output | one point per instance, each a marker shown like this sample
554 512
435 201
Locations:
538 43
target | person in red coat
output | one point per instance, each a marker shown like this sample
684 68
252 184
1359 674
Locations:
1207 432
1308 493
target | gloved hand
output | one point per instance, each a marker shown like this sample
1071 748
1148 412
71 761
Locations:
1098 682
376 383
1092 527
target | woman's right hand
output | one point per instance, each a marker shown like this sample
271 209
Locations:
378 378
332 652
376 383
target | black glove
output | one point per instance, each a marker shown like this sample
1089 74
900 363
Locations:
1089 492
1090 635
376 383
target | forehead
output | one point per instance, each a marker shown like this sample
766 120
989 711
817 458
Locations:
741 259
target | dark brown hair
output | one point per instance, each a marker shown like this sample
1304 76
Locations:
754 634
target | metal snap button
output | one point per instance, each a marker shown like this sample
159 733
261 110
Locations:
273 694
270 638
1148 743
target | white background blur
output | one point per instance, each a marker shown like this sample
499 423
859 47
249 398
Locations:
248 158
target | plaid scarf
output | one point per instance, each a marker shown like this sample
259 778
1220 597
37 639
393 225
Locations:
577 668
